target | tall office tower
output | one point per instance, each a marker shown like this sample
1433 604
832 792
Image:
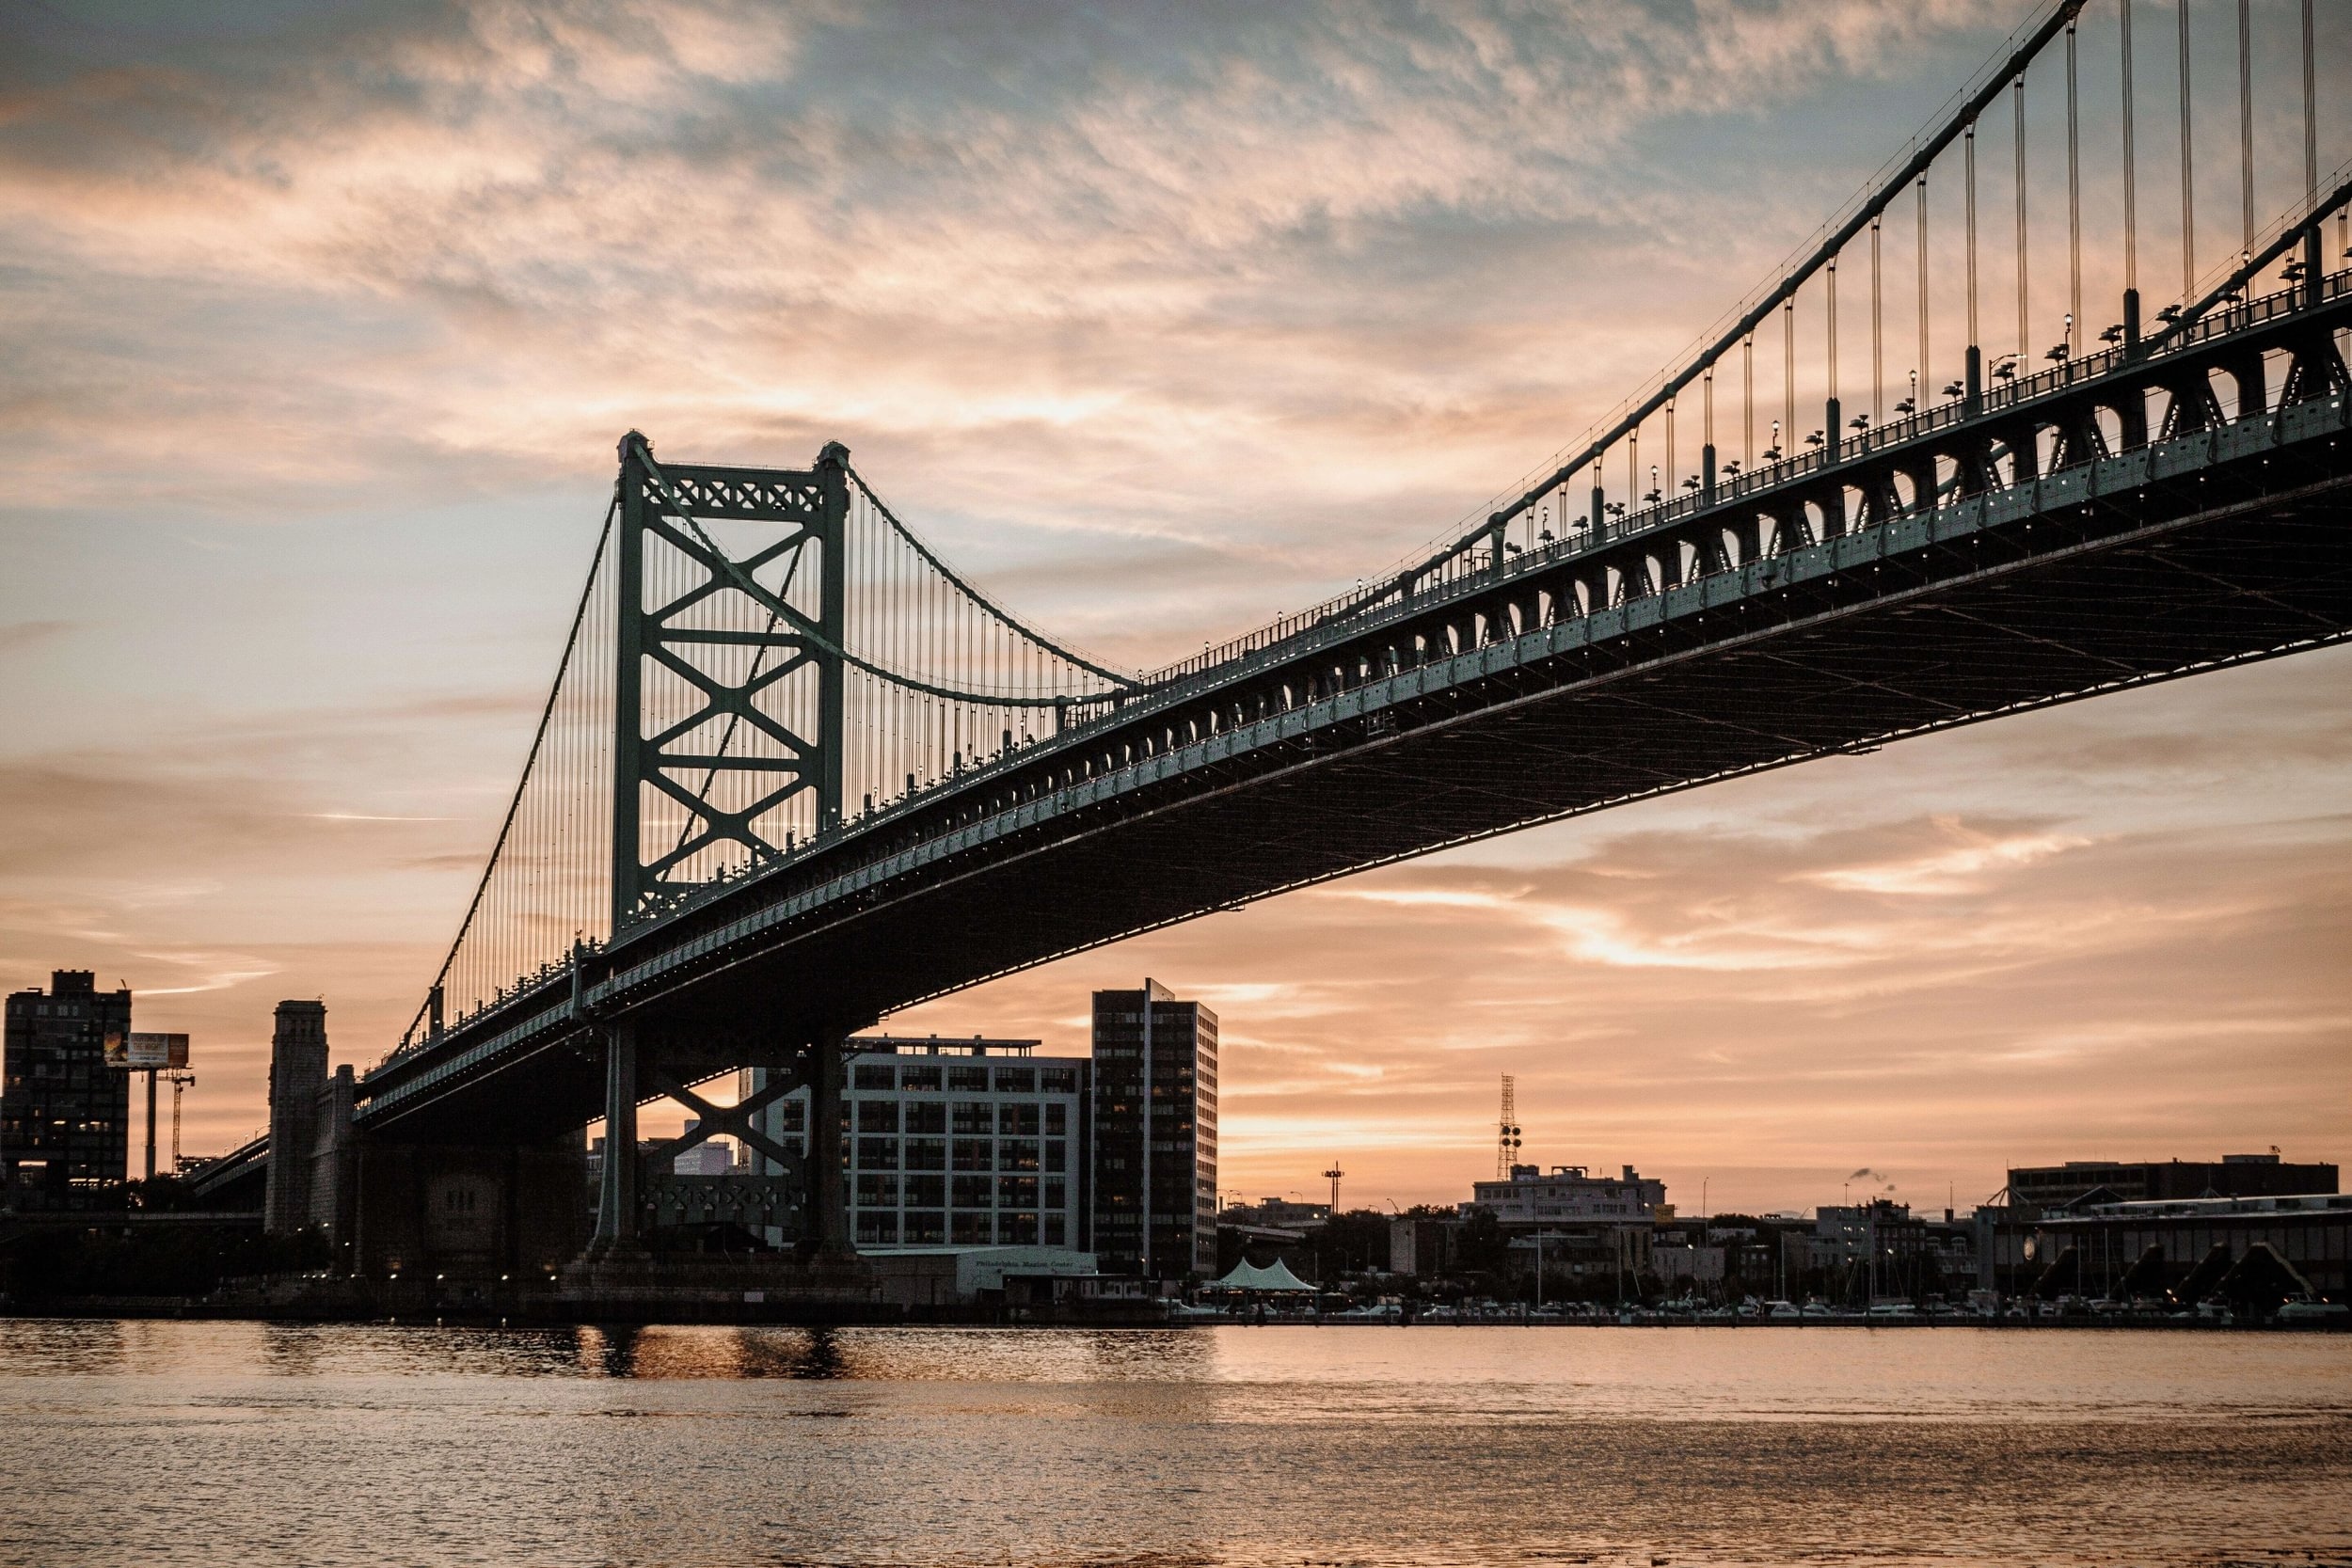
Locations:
297 1071
1156 1151
65 1114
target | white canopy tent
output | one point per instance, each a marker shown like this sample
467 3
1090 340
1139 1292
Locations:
1275 1276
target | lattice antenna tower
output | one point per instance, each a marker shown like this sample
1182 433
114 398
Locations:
1508 1134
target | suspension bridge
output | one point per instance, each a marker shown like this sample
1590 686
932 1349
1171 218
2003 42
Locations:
795 772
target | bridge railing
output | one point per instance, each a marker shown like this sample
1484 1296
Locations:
1295 630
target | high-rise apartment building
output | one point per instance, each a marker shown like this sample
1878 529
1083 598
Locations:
1154 1133
65 1114
956 1143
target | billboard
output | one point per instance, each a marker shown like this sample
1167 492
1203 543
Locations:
147 1053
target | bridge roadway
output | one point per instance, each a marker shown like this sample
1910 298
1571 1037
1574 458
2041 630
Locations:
1806 610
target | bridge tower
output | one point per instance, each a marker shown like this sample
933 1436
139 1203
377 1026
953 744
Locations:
728 672
729 711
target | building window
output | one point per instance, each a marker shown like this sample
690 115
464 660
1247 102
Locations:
972 1191
878 1228
878 1192
878 1154
1016 1079
973 1229
878 1115
927 1192
872 1075
1055 1194
1056 1118
924 1078
927 1154
1057 1080
974 1154
925 1228
975 1117
1016 1154
1056 1230
1056 1154
792 1116
1016 1192
927 1116
1017 1229
1017 1120
973 1079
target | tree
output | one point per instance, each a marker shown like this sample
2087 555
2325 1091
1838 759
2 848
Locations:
1484 1248
1351 1243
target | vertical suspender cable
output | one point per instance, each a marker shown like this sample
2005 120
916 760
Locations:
2131 206
2311 115
2246 113
2074 190
1747 401
1878 341
2189 173
1789 374
1832 335
1921 246
1968 156
2017 96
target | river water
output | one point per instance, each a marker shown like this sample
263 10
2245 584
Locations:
249 1444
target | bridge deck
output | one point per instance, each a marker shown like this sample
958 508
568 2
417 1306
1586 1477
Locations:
2222 546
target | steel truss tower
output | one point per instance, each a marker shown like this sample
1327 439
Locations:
729 696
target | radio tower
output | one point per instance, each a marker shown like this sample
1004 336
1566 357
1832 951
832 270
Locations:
1507 1139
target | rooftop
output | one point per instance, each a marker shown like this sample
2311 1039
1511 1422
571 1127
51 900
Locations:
931 1045
2211 1208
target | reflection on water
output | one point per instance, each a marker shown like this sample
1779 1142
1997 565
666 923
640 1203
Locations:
243 1443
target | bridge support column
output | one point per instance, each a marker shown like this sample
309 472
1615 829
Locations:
828 1229
616 1182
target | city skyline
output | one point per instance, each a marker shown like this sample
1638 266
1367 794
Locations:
298 554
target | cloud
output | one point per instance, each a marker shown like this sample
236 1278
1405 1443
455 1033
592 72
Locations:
1956 867
322 322
28 634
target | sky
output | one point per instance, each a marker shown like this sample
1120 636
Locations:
319 322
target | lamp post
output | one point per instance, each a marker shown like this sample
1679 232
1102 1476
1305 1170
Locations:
1535 1244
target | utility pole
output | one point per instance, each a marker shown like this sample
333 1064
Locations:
150 1121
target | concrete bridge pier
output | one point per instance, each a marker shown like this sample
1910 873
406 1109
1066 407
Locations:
616 1180
465 1212
827 1234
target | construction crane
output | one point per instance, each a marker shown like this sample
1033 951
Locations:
180 1082
1507 1140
